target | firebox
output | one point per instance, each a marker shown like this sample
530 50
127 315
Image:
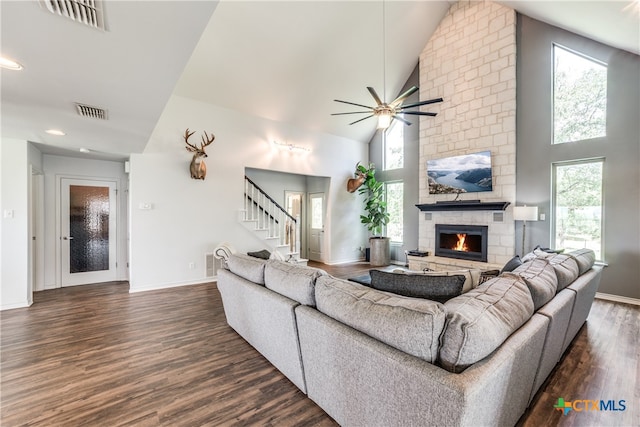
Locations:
462 241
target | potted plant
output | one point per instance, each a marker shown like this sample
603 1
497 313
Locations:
376 216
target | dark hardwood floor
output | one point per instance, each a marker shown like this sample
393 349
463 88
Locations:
98 355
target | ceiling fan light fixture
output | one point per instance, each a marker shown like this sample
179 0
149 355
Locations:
10 64
384 120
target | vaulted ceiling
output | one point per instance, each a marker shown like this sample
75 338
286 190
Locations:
282 60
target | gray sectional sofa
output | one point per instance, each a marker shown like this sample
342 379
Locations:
374 358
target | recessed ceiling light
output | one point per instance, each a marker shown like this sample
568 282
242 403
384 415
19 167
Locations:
9 64
84 150
55 132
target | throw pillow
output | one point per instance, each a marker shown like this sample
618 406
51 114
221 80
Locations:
437 288
263 254
512 264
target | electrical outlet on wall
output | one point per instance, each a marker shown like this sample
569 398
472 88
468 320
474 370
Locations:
192 265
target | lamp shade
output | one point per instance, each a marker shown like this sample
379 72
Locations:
525 213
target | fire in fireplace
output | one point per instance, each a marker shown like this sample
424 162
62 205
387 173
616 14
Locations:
462 241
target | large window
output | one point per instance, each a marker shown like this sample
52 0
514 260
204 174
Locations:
394 196
578 205
394 146
579 97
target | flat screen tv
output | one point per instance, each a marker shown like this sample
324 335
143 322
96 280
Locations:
469 173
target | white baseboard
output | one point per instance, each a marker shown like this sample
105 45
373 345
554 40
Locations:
618 298
155 287
24 304
346 261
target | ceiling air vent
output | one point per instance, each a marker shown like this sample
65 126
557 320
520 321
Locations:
92 112
87 12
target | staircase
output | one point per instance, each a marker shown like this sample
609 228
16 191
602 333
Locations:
270 222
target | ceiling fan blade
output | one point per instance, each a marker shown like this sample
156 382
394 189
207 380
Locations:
417 104
418 113
373 93
353 103
351 112
353 123
402 120
404 96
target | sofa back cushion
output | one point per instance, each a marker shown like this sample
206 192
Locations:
247 267
540 278
439 288
407 324
566 269
479 321
293 281
585 258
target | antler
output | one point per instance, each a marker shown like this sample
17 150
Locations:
207 141
190 147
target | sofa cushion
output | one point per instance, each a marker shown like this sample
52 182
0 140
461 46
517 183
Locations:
408 324
540 278
441 287
247 267
585 259
293 281
479 321
566 269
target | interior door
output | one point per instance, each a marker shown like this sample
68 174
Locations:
316 226
88 231
294 205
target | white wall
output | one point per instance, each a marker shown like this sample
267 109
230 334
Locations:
189 217
14 278
56 167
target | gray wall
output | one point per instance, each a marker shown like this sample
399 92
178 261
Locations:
620 148
409 174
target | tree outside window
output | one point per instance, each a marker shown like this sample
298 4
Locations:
578 205
579 97
394 195
394 146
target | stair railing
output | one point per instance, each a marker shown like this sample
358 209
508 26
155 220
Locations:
270 216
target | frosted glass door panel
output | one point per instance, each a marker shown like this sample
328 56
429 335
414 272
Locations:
87 231
89 226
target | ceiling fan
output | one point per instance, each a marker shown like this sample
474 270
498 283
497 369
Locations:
383 111
387 112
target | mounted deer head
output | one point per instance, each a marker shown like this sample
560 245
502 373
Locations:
198 167
354 183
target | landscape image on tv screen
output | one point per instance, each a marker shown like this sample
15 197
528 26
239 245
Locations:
468 173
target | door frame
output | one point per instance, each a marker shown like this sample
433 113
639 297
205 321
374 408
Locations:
58 220
324 219
303 209
36 230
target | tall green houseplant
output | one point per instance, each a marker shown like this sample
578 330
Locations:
375 206
377 215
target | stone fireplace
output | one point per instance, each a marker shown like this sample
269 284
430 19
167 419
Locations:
475 73
467 242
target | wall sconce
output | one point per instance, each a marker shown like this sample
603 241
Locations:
292 148
525 213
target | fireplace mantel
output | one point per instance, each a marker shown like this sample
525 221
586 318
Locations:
463 205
